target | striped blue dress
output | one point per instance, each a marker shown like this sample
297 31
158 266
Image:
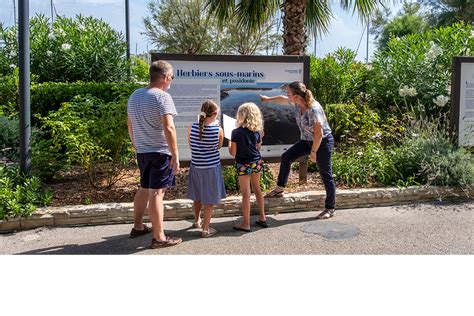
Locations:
206 182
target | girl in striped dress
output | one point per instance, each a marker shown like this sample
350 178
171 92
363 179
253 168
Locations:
206 182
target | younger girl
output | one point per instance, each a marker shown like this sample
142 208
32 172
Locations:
245 144
206 182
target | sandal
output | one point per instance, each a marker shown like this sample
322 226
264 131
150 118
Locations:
260 223
326 214
168 242
208 233
137 233
274 193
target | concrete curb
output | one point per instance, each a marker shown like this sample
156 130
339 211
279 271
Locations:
114 213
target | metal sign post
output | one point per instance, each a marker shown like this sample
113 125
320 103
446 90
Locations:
24 86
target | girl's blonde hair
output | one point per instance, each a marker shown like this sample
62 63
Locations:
250 116
208 108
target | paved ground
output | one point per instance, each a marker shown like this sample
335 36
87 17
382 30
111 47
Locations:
428 228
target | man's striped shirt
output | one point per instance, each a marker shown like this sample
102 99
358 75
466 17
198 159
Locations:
145 108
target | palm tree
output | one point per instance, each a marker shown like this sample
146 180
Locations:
300 17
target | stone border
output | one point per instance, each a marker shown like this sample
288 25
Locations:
118 213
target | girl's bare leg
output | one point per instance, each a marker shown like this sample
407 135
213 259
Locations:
197 206
255 181
207 216
244 183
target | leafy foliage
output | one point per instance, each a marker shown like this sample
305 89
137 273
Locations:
9 138
447 12
414 71
337 78
351 123
84 48
20 195
231 180
408 21
363 165
186 27
93 135
49 96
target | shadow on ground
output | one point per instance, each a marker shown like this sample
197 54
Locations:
123 245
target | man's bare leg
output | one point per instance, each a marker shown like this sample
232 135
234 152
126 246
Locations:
156 212
139 207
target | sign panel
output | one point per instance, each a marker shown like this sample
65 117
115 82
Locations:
230 81
462 108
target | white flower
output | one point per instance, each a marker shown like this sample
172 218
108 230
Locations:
359 153
369 67
377 135
441 100
414 135
66 46
12 54
49 53
60 32
51 36
12 66
434 52
406 91
448 89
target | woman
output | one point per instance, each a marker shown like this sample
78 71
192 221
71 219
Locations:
316 140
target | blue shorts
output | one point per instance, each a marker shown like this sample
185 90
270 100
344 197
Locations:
155 171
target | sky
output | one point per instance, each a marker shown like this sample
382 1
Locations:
345 30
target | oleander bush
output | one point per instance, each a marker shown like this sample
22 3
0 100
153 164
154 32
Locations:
416 70
70 49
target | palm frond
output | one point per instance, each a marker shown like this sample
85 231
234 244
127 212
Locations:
318 16
363 8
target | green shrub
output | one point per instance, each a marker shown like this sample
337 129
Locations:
9 138
19 195
363 165
90 134
431 158
9 94
416 69
49 96
266 177
350 122
231 180
140 69
83 48
338 77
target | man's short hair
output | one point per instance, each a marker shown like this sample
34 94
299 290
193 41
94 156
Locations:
158 69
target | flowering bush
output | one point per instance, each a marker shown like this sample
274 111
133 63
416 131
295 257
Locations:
84 48
416 70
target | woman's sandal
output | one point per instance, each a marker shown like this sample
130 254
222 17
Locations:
326 214
274 193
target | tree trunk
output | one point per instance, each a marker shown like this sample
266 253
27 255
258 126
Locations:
294 32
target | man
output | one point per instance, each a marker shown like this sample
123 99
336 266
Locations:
153 134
